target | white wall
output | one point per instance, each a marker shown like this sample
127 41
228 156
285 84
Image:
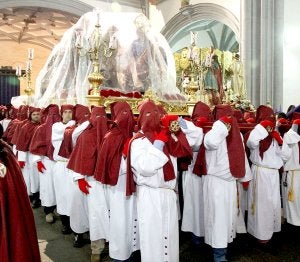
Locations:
107 5
291 54
163 12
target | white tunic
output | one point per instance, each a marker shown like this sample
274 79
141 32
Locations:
264 206
30 172
123 227
5 122
88 212
290 155
156 201
63 180
220 190
193 210
47 192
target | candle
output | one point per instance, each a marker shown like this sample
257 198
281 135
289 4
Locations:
30 53
28 65
98 18
18 70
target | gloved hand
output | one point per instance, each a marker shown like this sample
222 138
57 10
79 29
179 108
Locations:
126 148
250 120
226 120
22 164
166 119
201 121
162 135
182 123
267 124
281 121
277 137
296 122
245 185
41 167
83 185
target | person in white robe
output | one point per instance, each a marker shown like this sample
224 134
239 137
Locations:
89 211
62 179
155 170
26 159
221 210
42 150
291 177
111 172
264 205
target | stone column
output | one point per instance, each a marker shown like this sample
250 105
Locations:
262 50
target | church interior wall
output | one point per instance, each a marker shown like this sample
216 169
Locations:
291 54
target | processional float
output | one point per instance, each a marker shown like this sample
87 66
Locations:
107 57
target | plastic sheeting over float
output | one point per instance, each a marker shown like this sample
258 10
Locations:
141 59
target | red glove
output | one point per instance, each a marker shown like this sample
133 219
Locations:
162 135
250 120
296 122
83 185
226 120
41 167
201 121
22 164
282 121
245 185
166 119
267 123
126 147
277 137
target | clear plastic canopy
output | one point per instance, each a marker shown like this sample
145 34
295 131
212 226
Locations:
141 59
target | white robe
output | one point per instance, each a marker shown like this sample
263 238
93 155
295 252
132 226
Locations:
221 215
5 122
193 209
123 227
47 192
88 212
30 172
156 200
290 155
264 206
63 180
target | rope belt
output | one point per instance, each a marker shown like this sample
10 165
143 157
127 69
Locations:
291 195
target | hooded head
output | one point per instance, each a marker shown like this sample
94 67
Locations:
82 113
22 113
122 117
202 111
34 114
222 110
67 113
97 113
265 113
53 115
149 118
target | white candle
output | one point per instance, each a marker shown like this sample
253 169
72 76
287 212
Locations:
17 71
30 53
98 19
28 65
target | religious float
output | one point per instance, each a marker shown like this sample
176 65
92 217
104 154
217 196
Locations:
107 57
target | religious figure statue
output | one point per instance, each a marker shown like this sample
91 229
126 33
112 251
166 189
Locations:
139 67
236 70
213 80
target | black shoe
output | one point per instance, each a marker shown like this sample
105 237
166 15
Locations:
78 241
66 230
36 203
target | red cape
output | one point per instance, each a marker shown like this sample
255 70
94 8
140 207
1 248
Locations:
18 238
